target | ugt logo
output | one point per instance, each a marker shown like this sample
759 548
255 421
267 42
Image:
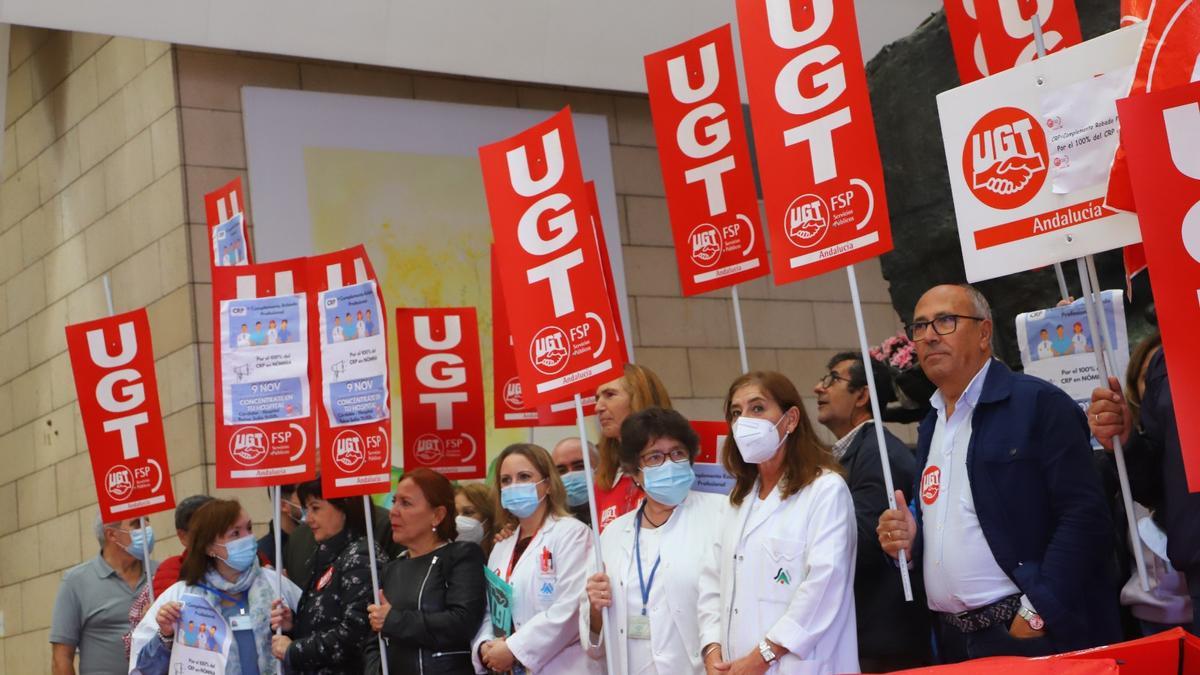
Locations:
428 449
549 350
118 483
349 452
513 396
1004 158
931 485
806 221
248 446
705 243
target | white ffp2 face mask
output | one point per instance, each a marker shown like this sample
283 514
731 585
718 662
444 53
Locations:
469 529
757 439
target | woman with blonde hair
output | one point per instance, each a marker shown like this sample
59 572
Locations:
541 567
637 389
475 509
779 583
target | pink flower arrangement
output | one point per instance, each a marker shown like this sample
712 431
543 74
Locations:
897 351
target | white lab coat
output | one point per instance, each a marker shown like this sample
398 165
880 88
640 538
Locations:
687 540
545 635
796 557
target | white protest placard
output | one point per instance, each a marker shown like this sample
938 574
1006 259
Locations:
1058 346
1004 136
202 639
354 355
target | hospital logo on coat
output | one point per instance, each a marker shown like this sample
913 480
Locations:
782 577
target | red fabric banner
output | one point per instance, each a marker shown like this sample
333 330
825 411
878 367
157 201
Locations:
265 430
113 363
821 174
705 161
350 375
228 234
564 332
441 391
1162 137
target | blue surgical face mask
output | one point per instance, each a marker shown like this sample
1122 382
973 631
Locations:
135 542
241 553
521 499
669 482
576 484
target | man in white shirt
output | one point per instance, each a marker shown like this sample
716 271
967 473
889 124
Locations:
1012 530
243 338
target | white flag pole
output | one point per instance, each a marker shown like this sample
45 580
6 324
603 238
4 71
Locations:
1094 303
278 499
878 416
142 520
741 332
610 652
370 527
1040 44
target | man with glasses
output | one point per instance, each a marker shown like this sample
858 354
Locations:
1011 526
844 407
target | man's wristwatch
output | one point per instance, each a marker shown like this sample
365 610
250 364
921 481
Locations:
764 650
1032 618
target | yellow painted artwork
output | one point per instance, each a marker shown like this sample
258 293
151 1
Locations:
424 222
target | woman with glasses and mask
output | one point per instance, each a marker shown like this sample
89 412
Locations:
777 590
541 568
222 567
652 556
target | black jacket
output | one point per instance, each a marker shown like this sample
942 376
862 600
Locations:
331 620
300 546
888 627
437 606
1156 471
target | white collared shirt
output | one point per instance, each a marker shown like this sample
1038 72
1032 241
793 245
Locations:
839 448
960 571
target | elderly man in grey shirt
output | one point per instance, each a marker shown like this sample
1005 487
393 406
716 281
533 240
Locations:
91 612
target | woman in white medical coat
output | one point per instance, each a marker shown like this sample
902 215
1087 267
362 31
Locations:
653 555
777 591
545 562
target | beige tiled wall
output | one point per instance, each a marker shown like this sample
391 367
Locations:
93 185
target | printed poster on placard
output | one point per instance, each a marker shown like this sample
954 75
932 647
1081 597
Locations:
264 359
705 161
354 365
1058 346
710 472
112 360
202 639
814 131
229 243
500 602
1003 136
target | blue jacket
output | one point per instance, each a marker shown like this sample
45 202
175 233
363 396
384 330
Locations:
1040 504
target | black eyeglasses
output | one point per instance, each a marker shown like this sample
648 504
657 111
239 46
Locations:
942 325
676 454
830 379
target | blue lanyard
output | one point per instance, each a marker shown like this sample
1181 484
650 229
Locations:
637 554
240 604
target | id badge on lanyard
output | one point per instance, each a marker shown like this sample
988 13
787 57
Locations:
639 624
240 621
